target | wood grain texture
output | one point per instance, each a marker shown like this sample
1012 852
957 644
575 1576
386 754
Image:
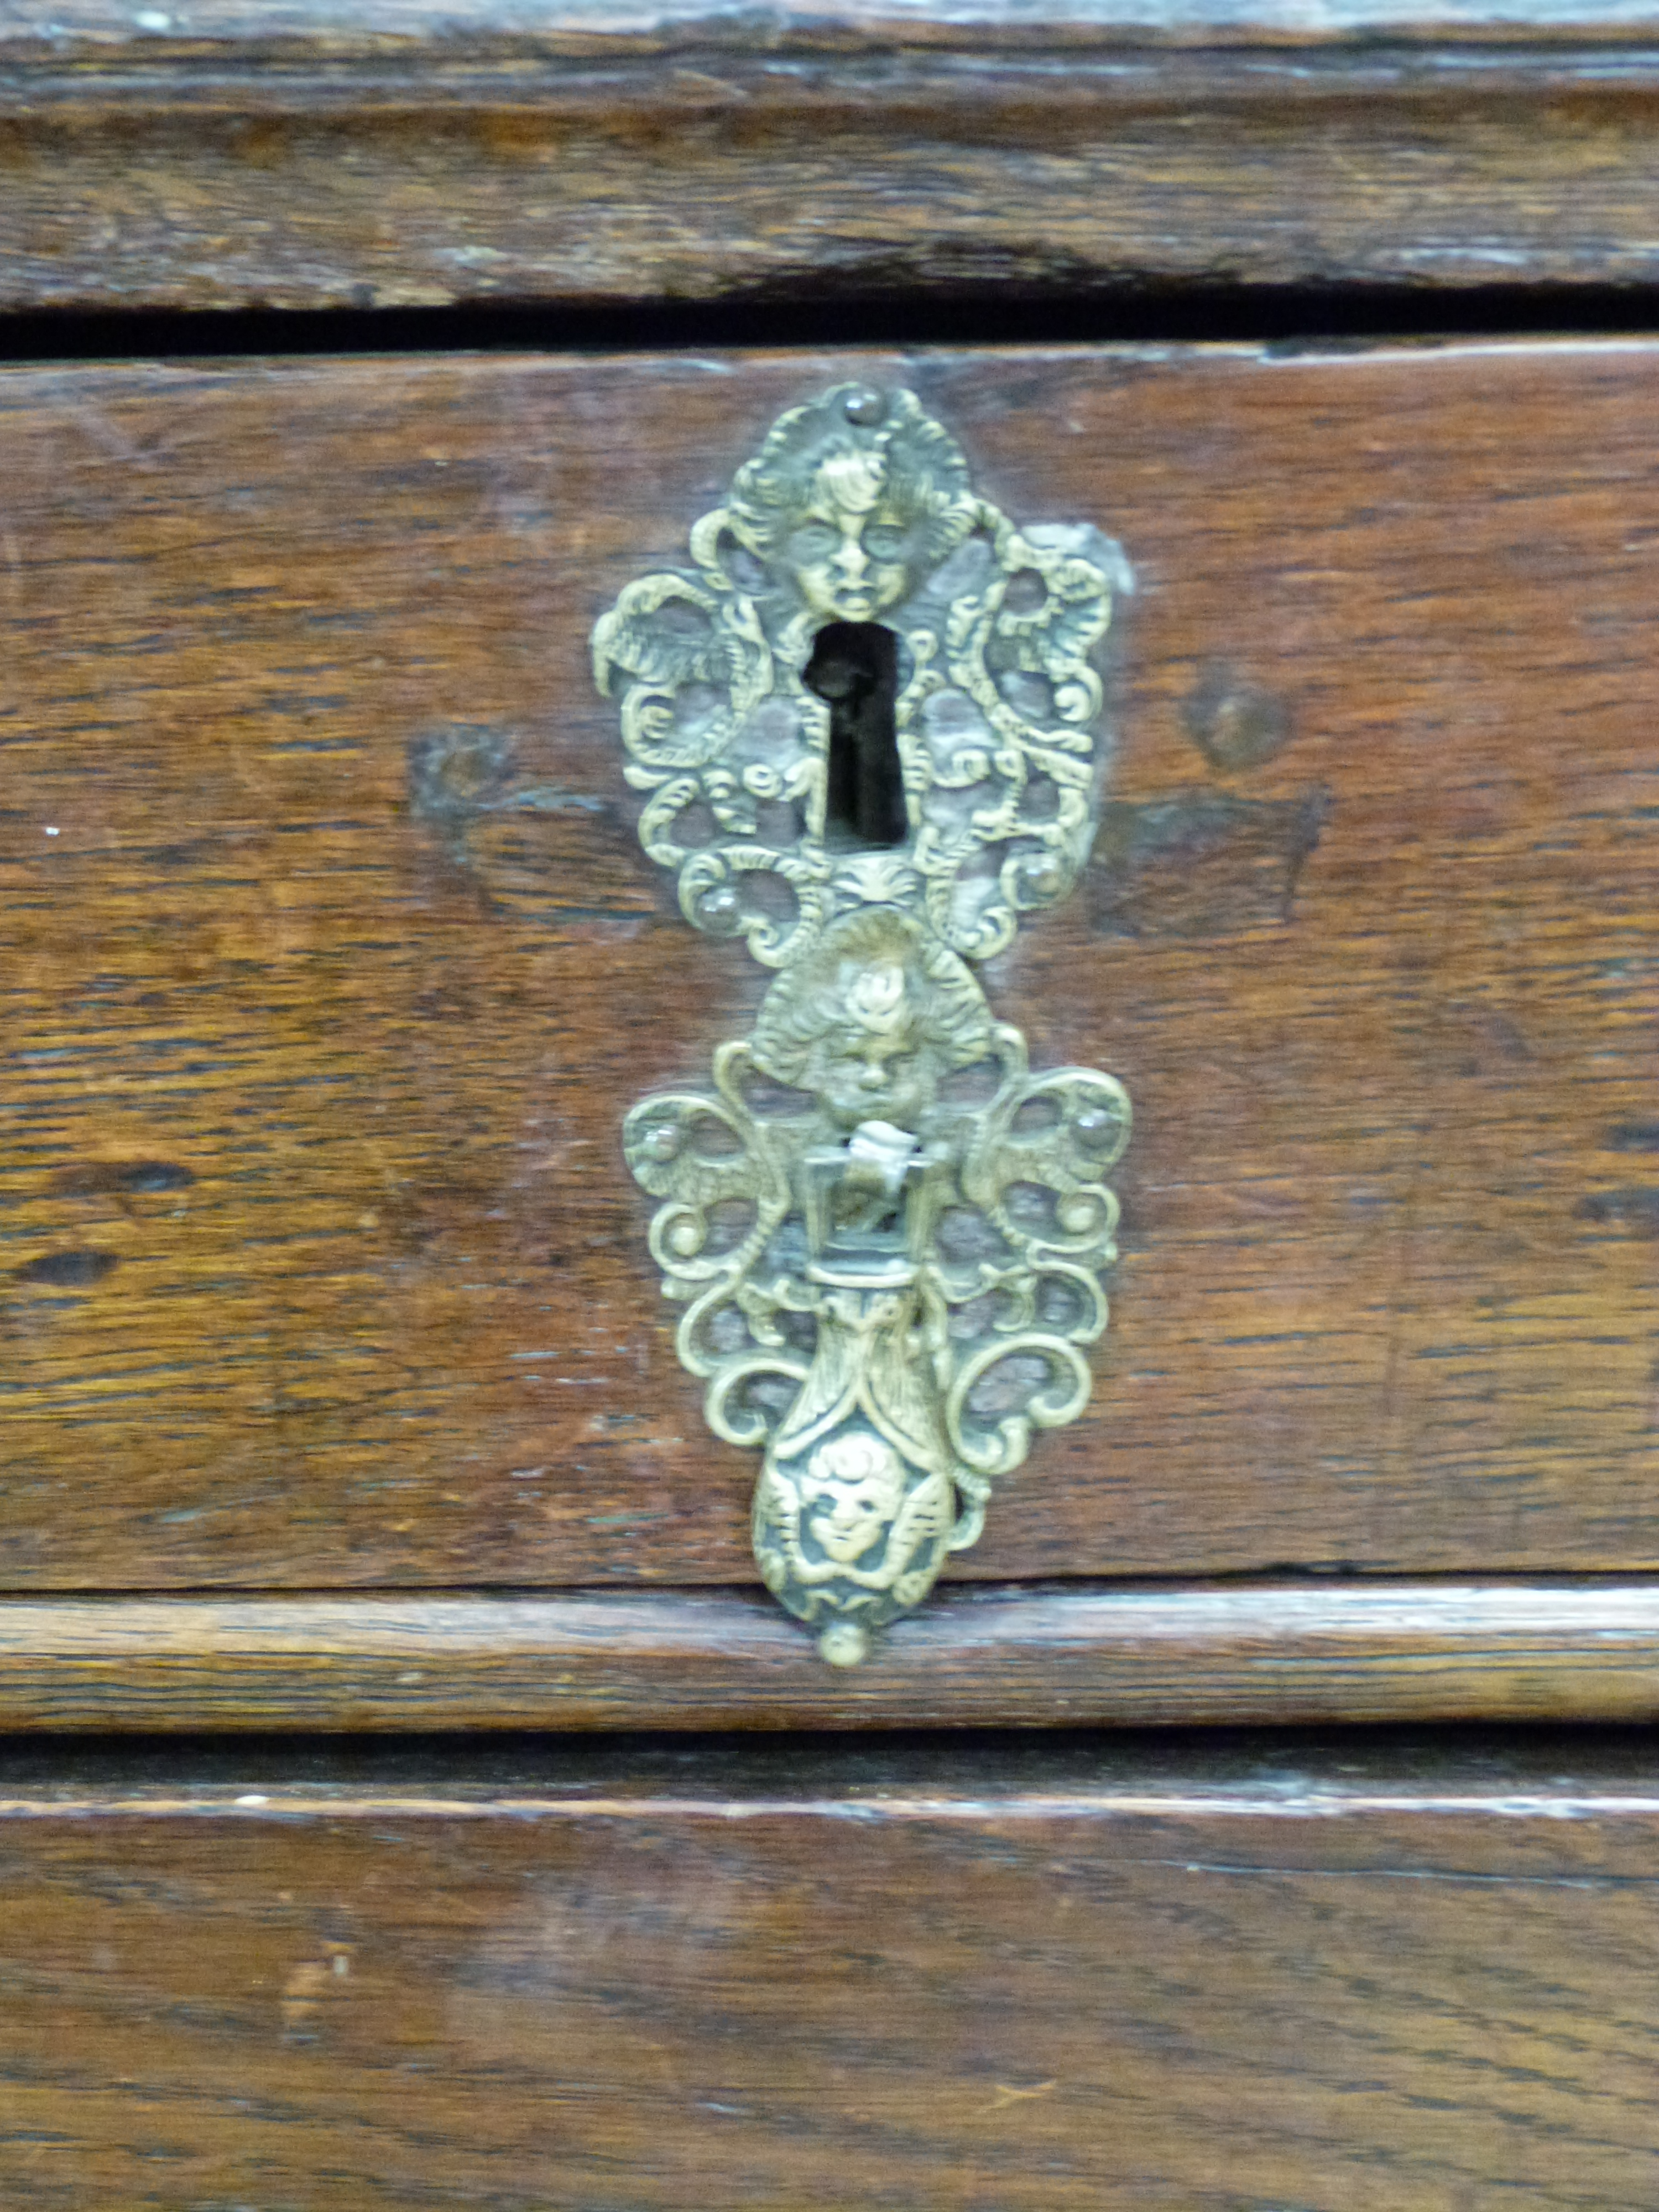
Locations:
228 155
1042 1655
331 963
1228 1984
602 30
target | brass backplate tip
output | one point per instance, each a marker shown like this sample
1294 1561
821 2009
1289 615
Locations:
867 720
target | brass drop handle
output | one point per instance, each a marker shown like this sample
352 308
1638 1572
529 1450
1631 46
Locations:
886 1233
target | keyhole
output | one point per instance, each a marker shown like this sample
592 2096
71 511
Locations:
854 670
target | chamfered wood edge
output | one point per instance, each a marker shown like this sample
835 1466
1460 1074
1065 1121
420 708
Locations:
1257 1653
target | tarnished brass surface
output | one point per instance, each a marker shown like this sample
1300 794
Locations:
886 1232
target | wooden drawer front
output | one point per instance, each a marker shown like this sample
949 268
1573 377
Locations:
332 962
383 156
1013 1980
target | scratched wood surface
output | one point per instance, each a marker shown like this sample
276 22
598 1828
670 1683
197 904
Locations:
1234 1982
375 153
330 963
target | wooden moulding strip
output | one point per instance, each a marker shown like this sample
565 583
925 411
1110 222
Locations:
1073 1655
686 32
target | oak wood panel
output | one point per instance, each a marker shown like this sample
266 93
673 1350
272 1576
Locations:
359 156
331 963
1023 1654
1290 1976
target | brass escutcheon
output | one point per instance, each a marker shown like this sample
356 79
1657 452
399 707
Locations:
867 722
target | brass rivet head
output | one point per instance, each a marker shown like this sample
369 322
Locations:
1042 874
721 910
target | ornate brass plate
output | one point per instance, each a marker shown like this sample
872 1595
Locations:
866 721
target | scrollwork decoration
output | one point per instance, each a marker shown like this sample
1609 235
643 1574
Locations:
886 1233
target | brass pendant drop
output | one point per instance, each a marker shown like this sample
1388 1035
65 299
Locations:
886 1233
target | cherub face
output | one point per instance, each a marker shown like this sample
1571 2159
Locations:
873 1065
865 1078
851 1492
855 548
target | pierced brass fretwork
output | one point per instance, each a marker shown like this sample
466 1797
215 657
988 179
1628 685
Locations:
887 1233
